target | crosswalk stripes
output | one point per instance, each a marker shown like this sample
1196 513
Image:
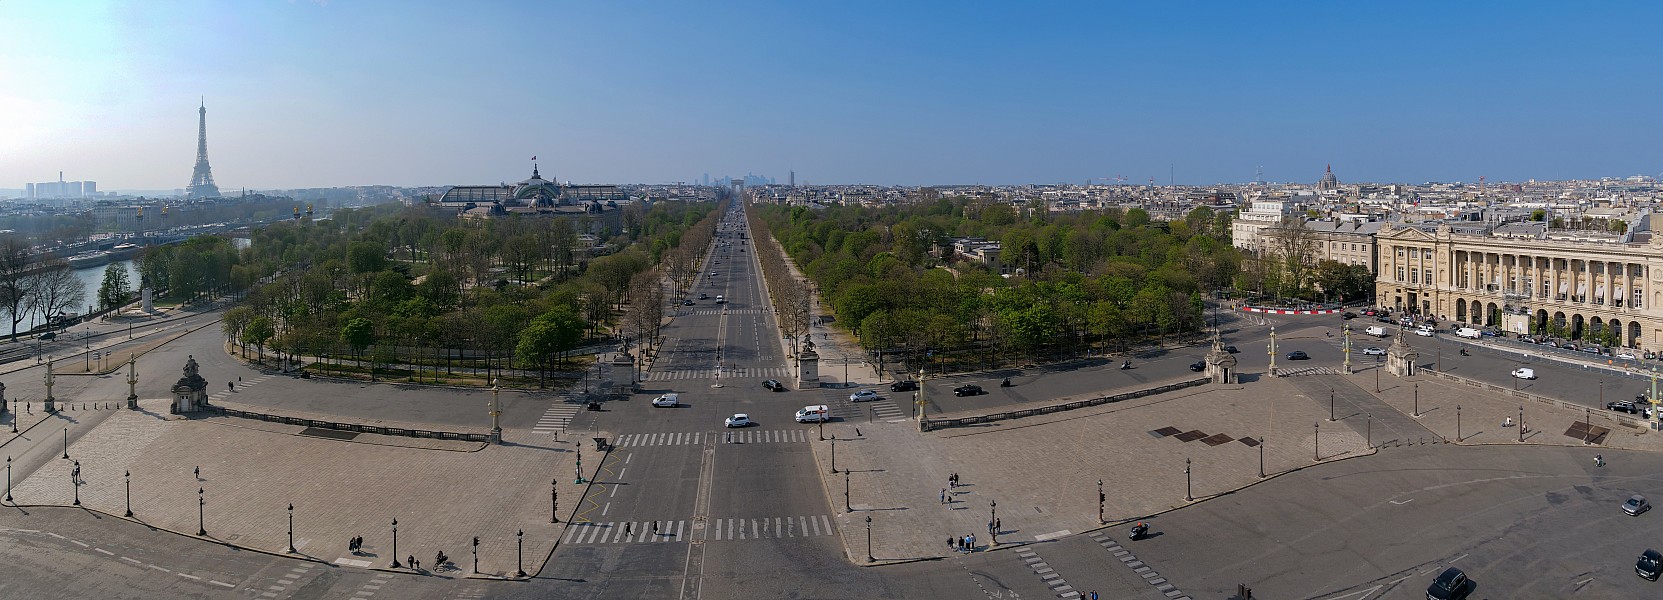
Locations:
240 385
731 311
887 410
625 532
556 417
735 436
730 529
771 527
1286 372
739 373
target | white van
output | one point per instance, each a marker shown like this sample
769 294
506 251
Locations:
1376 331
816 413
1468 332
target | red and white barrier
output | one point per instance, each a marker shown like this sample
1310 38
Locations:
1283 311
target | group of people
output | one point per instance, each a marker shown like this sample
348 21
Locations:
965 543
356 543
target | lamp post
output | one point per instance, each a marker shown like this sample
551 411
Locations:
496 413
74 482
201 504
476 554
291 528
1188 497
1588 422
1368 430
8 479
519 556
1330 405
579 467
395 564
1417 400
869 539
1376 374
1316 441
127 476
132 383
1457 423
66 442
1347 342
1261 457
834 454
992 518
1272 351
846 506
1521 423
1100 499
554 501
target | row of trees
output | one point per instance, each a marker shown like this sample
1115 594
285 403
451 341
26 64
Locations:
30 288
791 297
404 287
1061 282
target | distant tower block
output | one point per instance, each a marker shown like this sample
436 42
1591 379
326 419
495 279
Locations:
202 177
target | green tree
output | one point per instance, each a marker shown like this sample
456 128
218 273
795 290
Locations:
549 335
116 289
258 332
358 333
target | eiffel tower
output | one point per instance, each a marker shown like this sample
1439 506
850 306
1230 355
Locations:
202 178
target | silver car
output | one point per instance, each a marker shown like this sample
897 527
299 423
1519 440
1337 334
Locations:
1636 504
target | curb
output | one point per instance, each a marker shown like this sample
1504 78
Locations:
295 556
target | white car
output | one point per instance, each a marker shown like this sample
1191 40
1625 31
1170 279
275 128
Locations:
1627 356
670 400
1424 331
863 396
1374 351
1522 373
738 420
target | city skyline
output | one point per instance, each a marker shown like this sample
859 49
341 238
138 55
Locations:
320 94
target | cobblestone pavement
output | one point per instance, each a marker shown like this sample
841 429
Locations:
441 499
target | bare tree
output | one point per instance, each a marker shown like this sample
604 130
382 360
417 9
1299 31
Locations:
1295 246
56 289
15 279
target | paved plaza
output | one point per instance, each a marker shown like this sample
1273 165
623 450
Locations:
250 471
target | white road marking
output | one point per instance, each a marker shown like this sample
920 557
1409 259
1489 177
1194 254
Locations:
1051 536
606 508
131 560
221 583
80 543
1403 502
1364 593
159 569
1458 558
190 576
103 551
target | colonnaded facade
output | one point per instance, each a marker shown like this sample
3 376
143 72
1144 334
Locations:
1526 279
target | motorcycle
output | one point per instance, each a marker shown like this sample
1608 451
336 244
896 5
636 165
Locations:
439 561
1465 353
1005 383
1139 532
1125 365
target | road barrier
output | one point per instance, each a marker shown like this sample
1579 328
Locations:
931 425
1600 411
353 427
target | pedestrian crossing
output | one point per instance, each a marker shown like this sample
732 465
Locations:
733 436
556 418
741 372
731 311
724 529
239 386
1287 372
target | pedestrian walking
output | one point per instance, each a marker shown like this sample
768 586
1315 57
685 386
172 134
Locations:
197 471
411 560
943 495
627 527
655 527
998 525
972 542
951 542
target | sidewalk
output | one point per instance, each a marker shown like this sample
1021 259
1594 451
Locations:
1043 471
441 499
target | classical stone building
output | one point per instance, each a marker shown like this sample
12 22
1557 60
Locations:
1527 279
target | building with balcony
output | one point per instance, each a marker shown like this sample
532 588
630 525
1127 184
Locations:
1528 279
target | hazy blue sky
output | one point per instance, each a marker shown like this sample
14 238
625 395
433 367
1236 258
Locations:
306 94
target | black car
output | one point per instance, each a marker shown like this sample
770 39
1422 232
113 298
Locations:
1650 564
1384 319
1623 406
903 386
1198 366
703 296
1231 349
1348 315
48 336
1298 355
686 302
774 385
969 389
1452 584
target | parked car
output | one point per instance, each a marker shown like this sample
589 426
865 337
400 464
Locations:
48 336
670 400
1348 315
1524 373
1374 351
1231 349
1592 349
739 420
1650 564
903 386
1198 366
1623 406
968 389
1635 505
1627 356
773 385
1451 584
1298 355
863 396
1384 319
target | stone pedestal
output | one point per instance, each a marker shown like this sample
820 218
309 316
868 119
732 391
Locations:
1400 358
190 393
808 367
145 301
